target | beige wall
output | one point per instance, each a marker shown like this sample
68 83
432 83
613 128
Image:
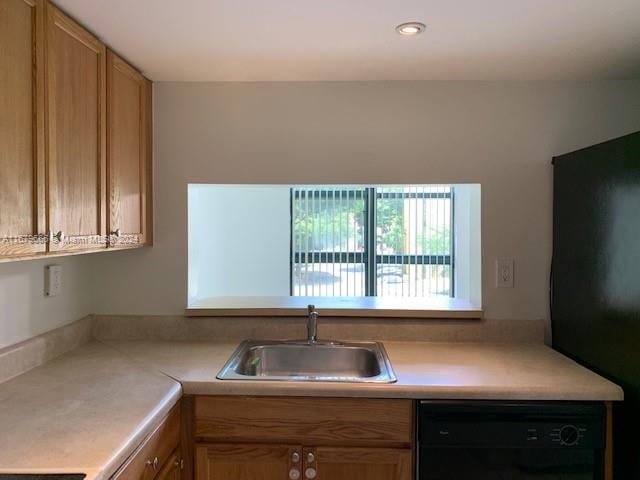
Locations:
25 311
501 135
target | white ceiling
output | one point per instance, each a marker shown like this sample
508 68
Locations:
256 40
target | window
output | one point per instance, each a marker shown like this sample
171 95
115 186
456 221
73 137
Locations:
404 241
375 241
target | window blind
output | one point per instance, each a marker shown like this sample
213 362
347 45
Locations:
374 240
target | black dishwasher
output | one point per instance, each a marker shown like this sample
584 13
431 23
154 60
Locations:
510 441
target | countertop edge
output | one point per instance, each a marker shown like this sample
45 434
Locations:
400 391
148 425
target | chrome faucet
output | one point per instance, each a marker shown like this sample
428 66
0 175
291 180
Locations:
312 325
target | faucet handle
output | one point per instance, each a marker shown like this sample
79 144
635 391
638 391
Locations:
312 325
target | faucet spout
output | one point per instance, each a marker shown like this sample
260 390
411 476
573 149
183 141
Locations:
312 325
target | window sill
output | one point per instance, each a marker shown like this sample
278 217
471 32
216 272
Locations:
335 307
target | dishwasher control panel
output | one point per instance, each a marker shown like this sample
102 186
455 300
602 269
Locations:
511 425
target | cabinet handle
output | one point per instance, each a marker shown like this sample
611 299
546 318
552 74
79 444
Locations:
295 457
57 236
179 464
153 463
310 457
310 473
115 236
294 474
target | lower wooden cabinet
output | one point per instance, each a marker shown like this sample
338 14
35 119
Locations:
247 462
289 438
172 468
288 462
348 422
358 463
158 453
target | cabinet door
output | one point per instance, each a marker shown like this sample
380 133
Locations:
171 470
128 112
329 463
21 127
155 451
247 462
76 127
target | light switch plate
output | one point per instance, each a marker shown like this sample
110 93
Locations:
504 273
53 280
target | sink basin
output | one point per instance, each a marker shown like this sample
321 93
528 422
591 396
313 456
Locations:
301 361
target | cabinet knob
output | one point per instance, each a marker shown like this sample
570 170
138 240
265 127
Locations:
310 473
295 457
153 463
294 474
310 457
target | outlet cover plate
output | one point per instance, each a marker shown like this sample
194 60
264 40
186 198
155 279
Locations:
504 273
53 280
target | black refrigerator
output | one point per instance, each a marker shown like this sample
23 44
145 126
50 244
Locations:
595 279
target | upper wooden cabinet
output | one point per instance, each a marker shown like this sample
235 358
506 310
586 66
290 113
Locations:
75 138
76 127
21 127
128 149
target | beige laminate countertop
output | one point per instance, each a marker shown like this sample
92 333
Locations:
84 412
87 411
424 370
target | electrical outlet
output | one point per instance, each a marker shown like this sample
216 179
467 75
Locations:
53 280
504 273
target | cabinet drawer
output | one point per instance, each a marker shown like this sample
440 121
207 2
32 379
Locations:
305 420
172 468
142 465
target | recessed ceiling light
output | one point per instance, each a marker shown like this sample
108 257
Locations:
410 28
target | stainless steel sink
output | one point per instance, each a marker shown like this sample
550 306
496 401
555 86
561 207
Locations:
309 361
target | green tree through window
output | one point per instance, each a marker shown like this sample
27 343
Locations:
385 240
